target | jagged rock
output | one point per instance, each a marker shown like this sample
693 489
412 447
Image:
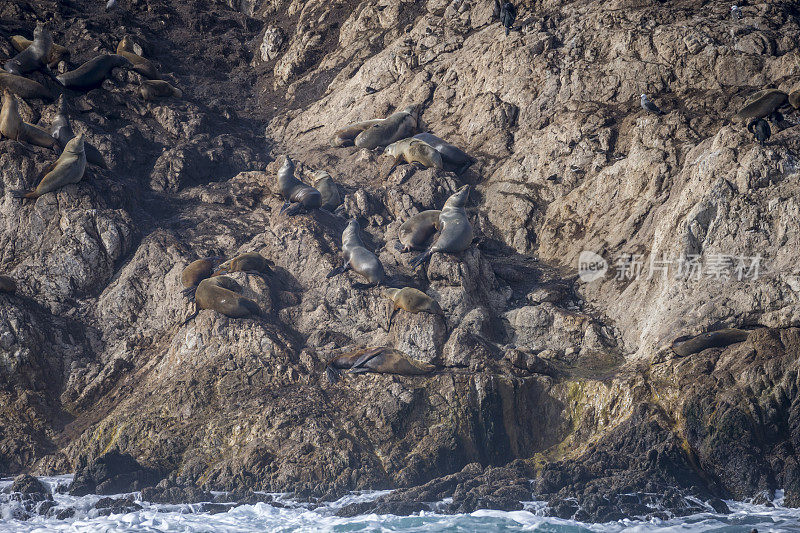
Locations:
27 484
112 473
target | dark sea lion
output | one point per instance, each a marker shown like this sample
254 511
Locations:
61 131
456 231
346 135
140 64
8 284
24 87
413 150
57 52
197 271
760 130
154 89
297 195
35 56
221 294
455 159
415 232
411 300
68 168
383 360
249 263
93 72
762 104
358 257
331 199
684 346
13 127
794 98
393 128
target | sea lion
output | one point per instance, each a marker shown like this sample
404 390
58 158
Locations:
297 195
454 159
357 257
93 72
61 131
13 127
153 89
507 12
331 199
346 135
8 284
221 294
794 99
140 64
249 263
24 87
34 57
684 346
68 168
413 150
762 104
760 130
456 231
393 128
415 232
382 360
411 300
197 271
57 52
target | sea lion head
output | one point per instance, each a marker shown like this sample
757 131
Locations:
459 198
390 293
125 45
415 111
75 145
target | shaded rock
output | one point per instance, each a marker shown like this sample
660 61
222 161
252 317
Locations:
112 473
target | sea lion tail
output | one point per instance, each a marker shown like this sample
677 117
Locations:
22 193
420 259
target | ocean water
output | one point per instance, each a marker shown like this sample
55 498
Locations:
298 517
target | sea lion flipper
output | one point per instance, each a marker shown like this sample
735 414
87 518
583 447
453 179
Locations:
332 373
420 259
395 163
190 317
338 270
23 193
358 370
189 292
365 357
391 316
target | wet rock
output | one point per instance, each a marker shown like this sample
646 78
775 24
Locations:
109 506
27 484
112 473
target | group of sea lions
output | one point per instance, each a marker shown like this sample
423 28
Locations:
42 54
768 104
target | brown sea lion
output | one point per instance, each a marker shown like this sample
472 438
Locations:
68 168
93 72
154 89
684 346
249 263
8 284
346 136
331 199
297 195
393 128
57 52
197 271
221 294
13 127
358 257
411 150
61 131
415 232
34 57
411 300
762 104
454 159
383 360
24 87
456 231
140 64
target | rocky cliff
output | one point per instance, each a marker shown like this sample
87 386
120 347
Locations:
540 374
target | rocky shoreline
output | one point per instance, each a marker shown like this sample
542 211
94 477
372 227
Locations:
546 387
